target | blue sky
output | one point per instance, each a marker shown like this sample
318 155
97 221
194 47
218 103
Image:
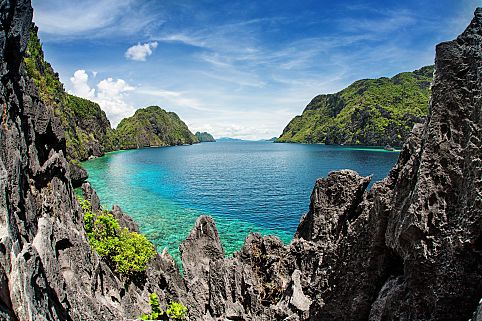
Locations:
236 68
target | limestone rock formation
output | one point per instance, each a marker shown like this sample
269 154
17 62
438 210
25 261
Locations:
410 248
204 137
48 270
77 173
151 127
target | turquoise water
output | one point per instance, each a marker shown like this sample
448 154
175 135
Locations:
246 186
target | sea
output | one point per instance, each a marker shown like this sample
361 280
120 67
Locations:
260 187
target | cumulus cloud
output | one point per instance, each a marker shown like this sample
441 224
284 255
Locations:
110 94
111 97
141 52
80 86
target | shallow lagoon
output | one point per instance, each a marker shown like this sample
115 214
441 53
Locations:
246 186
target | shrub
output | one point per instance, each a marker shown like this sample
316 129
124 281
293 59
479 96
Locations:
176 311
156 311
128 252
136 252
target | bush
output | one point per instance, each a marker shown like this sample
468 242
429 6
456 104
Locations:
176 311
156 311
128 252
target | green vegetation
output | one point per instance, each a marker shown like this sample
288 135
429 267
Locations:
156 311
127 252
175 311
204 137
373 112
87 129
153 126
50 88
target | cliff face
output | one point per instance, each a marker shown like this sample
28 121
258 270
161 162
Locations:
47 268
408 249
153 126
86 127
372 112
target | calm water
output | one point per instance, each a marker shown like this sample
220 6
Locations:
245 186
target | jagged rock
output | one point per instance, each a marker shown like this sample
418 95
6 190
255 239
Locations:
200 249
91 196
408 249
124 219
48 270
333 203
78 175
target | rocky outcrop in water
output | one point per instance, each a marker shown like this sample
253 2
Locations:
204 137
408 249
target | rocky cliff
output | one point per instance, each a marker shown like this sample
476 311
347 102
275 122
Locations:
153 126
370 112
86 127
48 270
410 248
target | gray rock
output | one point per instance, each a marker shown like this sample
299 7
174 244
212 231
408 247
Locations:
47 267
124 219
77 174
91 196
408 249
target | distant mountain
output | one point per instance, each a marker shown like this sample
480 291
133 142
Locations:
373 112
229 139
153 126
204 137
272 139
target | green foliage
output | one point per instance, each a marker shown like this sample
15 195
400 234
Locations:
176 311
368 112
84 122
128 252
153 126
204 137
50 88
156 312
154 302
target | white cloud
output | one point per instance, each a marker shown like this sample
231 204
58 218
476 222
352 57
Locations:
93 18
80 86
110 95
140 52
173 98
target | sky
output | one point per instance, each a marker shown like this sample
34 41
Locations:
234 68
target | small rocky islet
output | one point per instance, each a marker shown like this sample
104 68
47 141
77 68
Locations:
407 249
